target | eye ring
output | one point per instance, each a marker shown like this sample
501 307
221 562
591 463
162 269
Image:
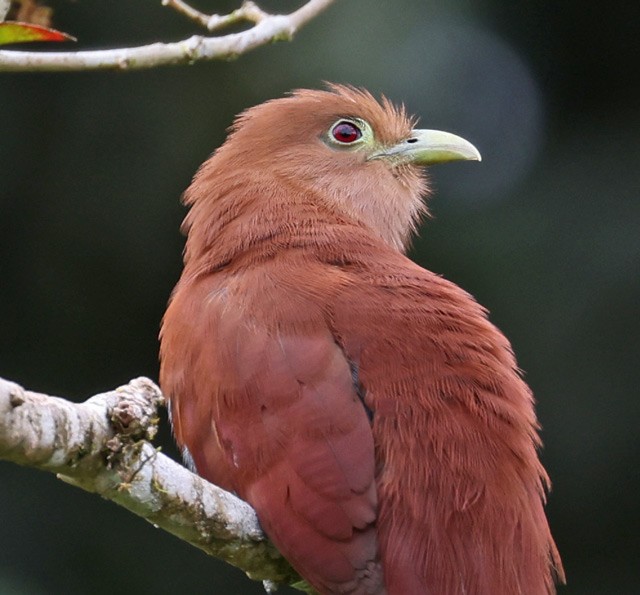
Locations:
346 132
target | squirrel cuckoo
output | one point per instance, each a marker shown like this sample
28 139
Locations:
364 406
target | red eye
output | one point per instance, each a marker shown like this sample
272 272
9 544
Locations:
346 132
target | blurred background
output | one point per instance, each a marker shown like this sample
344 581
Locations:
545 232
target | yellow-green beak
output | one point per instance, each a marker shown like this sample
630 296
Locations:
426 147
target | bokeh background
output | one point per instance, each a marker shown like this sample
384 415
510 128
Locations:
545 232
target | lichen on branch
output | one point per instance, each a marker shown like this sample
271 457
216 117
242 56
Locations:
102 446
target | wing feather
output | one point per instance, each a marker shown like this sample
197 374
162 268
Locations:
272 412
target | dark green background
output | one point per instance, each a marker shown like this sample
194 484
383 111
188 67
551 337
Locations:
545 232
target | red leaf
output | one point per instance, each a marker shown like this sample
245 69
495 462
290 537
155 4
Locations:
15 32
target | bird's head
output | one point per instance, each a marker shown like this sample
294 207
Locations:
351 152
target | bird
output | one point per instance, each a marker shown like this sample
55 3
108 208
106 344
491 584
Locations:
365 407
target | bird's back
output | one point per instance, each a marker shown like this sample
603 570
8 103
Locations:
368 411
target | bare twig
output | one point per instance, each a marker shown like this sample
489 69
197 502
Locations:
102 446
249 12
5 5
268 28
188 11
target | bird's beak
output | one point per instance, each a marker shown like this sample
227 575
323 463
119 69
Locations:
426 147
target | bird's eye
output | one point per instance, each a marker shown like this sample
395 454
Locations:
346 132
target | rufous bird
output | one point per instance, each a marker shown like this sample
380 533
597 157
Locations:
364 406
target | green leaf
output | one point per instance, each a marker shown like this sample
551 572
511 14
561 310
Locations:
15 32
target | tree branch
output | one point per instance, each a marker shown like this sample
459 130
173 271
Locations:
102 446
267 28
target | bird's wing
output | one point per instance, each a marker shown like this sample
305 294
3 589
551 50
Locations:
459 483
273 412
